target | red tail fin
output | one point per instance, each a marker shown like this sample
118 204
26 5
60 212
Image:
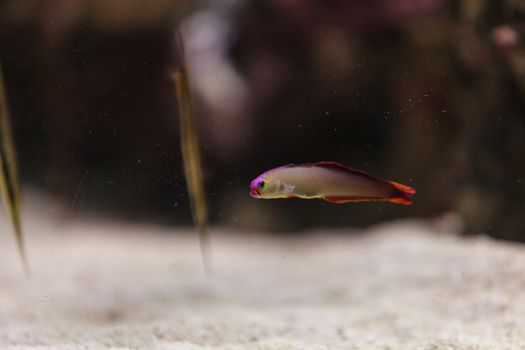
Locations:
403 194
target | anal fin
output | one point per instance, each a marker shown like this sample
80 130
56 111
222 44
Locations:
341 200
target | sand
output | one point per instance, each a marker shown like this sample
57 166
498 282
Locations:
412 284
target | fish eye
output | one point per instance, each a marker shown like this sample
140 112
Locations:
261 185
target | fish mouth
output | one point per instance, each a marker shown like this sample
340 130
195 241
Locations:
254 193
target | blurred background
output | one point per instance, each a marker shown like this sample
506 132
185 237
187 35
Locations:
424 92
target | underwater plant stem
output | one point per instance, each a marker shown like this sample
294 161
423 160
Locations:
191 156
9 181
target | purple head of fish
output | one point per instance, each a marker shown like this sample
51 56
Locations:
254 187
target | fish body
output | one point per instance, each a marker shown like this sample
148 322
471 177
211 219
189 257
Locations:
330 181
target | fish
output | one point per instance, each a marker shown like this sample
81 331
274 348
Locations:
329 181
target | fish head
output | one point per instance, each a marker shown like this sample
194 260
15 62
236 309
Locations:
263 187
257 186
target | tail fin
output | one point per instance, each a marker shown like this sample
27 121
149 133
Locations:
403 194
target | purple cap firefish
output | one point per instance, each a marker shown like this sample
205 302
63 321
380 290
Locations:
330 181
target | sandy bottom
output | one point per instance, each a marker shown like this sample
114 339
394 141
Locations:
404 285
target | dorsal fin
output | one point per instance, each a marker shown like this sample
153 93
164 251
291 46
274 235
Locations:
266 173
340 167
291 165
